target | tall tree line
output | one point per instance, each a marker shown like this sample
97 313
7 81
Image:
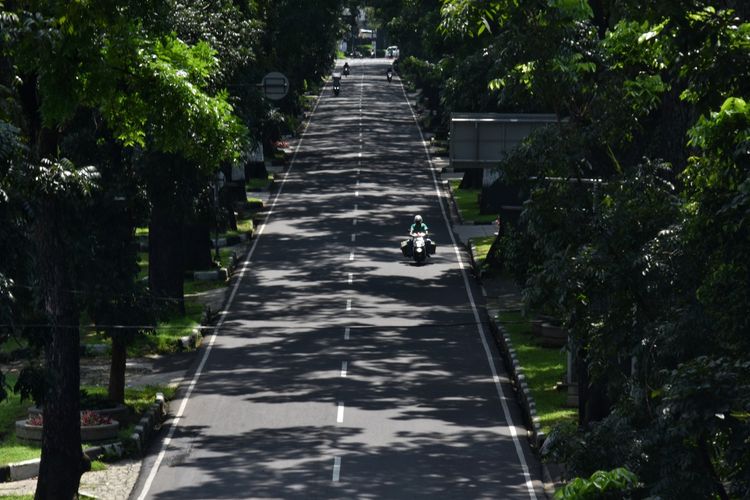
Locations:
112 113
648 266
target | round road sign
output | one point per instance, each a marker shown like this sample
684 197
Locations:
275 86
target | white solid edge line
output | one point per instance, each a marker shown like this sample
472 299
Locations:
336 469
340 413
493 370
173 424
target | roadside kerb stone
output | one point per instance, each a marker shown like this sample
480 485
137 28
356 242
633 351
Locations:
147 425
455 213
213 274
526 400
192 341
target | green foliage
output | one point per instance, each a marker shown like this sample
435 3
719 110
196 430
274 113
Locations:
543 367
646 261
615 484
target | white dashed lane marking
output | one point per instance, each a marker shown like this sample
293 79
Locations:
336 469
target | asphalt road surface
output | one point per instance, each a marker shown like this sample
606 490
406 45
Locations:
340 369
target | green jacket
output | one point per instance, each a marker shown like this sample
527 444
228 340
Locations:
418 228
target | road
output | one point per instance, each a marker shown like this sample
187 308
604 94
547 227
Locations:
341 370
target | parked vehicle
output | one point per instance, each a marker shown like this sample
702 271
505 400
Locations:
392 52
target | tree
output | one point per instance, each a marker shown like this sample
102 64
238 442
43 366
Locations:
148 87
647 265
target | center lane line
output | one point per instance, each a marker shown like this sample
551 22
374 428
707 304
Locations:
336 469
343 368
346 333
348 304
340 413
351 278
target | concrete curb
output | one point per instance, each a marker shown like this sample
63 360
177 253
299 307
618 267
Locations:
502 339
455 213
147 426
518 378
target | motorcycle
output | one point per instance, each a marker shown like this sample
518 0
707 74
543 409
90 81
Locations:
389 75
346 70
418 248
336 83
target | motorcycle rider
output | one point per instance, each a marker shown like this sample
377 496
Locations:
389 74
418 227
346 68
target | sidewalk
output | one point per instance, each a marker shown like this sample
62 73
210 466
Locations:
464 232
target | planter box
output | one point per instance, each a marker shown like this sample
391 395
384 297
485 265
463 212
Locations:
553 336
102 432
119 412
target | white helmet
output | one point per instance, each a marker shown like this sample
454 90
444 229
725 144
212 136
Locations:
417 218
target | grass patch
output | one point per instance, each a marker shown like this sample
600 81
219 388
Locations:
17 497
11 409
468 204
142 265
141 231
483 246
544 368
97 466
225 254
198 286
258 183
164 339
244 226
13 343
137 398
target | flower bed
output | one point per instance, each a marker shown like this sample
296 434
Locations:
94 427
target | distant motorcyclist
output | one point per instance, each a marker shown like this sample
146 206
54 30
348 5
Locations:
389 74
346 69
418 227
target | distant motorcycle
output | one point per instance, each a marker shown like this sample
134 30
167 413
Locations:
389 75
346 69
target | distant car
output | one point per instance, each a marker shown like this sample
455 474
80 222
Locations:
392 52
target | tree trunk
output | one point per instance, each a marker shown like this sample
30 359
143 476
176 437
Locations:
472 179
256 170
116 388
196 242
62 461
166 258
